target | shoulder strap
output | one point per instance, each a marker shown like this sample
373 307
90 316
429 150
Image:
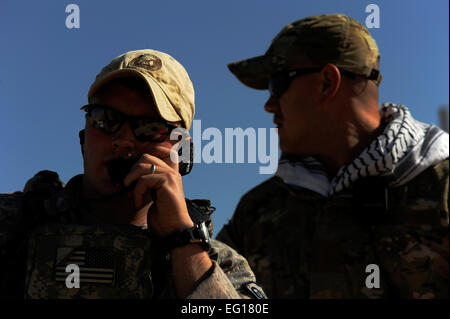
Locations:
38 190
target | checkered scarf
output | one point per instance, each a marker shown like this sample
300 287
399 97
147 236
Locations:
405 149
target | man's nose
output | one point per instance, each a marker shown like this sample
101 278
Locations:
124 137
272 105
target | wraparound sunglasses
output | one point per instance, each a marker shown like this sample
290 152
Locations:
145 129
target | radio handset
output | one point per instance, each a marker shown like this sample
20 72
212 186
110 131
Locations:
185 167
119 168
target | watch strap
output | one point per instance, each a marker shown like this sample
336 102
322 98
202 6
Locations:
193 235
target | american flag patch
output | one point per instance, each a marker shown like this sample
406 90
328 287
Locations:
96 265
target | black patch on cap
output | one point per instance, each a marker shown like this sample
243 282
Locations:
147 61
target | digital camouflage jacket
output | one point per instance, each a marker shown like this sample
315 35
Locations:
301 244
46 227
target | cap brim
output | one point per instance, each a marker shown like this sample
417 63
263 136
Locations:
254 72
163 106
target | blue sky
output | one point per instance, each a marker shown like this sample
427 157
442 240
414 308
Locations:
47 69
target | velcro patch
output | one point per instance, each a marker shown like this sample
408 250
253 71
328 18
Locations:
255 290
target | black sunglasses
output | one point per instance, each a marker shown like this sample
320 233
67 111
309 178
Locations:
145 129
280 81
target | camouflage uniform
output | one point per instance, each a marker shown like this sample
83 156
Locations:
301 244
47 222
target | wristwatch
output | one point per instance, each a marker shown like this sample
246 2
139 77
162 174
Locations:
197 234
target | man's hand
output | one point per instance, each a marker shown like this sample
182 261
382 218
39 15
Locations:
164 187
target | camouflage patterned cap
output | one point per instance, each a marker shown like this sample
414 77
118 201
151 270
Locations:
317 40
168 81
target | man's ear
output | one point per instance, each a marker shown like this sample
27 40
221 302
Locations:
331 81
81 136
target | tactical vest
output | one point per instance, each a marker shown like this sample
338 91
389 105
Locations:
105 262
76 261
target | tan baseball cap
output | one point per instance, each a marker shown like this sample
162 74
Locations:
167 79
317 40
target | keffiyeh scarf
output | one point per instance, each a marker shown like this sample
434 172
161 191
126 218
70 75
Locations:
405 149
